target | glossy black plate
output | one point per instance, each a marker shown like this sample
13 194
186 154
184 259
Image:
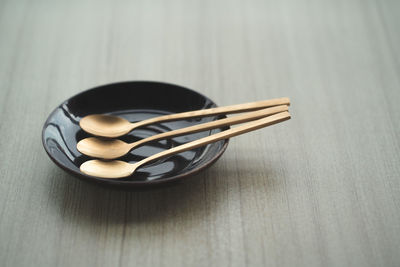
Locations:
134 101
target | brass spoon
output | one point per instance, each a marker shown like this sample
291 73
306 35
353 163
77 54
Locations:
119 169
114 148
112 126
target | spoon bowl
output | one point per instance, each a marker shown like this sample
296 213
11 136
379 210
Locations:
103 148
105 125
107 169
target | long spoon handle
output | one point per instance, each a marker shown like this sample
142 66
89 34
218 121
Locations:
214 124
250 126
216 111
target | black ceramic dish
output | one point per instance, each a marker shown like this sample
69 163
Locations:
134 101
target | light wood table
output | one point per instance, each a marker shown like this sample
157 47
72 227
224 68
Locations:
322 189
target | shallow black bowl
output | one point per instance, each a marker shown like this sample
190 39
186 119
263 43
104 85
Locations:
134 101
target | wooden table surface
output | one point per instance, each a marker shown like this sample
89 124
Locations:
322 189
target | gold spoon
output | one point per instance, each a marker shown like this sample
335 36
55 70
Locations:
112 126
119 169
114 148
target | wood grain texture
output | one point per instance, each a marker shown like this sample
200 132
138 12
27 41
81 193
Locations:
328 195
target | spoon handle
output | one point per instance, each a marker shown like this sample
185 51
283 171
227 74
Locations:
214 124
216 111
250 126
